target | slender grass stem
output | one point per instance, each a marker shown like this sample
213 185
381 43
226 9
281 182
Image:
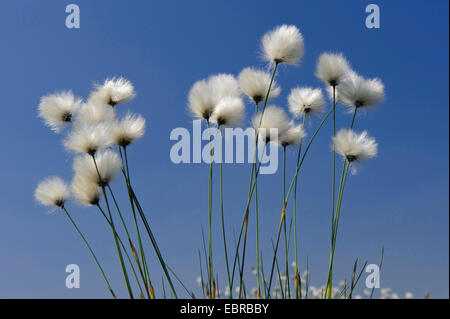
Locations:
124 270
141 247
245 221
125 251
283 212
286 248
90 250
296 277
210 177
223 222
334 159
257 222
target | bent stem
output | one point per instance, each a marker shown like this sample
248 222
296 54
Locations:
90 250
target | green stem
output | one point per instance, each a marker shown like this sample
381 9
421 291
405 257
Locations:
257 222
284 226
90 250
138 233
124 271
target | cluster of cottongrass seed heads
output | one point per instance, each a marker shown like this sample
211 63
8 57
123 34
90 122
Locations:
220 101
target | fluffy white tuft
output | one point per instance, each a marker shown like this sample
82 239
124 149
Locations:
89 138
355 147
274 117
128 130
255 84
224 85
284 44
52 191
305 100
84 191
58 109
332 68
108 164
114 91
93 113
356 91
201 99
292 136
228 112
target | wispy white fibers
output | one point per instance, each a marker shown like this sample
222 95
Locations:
292 136
84 191
305 100
284 44
228 112
201 100
58 109
128 130
355 147
255 84
274 118
93 113
356 91
52 191
332 68
113 91
224 85
89 138
108 164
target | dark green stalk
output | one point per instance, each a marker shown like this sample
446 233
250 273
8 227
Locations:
90 250
286 249
127 281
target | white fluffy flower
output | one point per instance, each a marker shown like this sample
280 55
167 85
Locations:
355 147
274 118
88 138
128 130
292 136
305 100
84 191
332 68
228 112
201 100
356 91
108 164
255 84
224 85
284 44
408 295
114 91
93 113
58 109
52 191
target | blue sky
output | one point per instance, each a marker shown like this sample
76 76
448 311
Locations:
399 200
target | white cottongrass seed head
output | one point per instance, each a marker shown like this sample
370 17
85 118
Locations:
255 84
92 113
306 101
355 147
89 138
273 123
108 164
224 85
128 130
52 191
355 91
201 100
284 44
292 136
58 109
85 191
230 111
113 91
331 68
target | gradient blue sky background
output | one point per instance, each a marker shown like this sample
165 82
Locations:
399 201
